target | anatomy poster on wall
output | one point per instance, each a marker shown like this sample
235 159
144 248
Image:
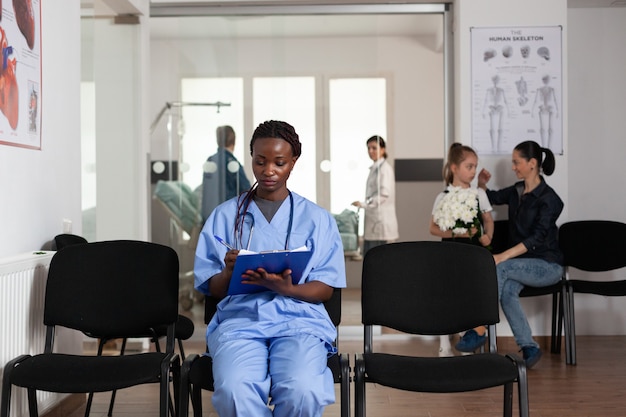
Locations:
20 73
516 88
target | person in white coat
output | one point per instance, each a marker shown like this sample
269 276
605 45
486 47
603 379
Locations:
381 223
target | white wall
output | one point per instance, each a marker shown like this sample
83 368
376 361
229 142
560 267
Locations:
39 189
597 144
487 13
122 137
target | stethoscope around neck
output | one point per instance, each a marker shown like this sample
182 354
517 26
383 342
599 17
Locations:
289 226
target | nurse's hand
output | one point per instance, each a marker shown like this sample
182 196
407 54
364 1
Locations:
229 260
312 291
279 283
218 284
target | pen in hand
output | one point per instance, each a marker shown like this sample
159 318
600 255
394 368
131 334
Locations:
223 242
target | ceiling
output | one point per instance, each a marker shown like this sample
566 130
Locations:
171 19
295 26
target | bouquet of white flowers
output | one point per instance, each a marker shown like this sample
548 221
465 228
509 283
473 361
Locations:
458 211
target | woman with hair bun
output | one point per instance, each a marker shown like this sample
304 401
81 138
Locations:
533 258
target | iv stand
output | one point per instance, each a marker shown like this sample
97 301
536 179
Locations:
168 106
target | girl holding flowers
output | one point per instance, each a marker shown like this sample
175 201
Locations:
462 213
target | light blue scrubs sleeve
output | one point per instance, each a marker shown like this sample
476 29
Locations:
209 258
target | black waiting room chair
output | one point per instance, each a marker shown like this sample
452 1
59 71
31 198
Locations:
597 247
140 280
433 288
183 331
197 370
67 239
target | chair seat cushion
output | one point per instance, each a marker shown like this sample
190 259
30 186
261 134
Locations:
184 328
434 374
537 291
607 288
83 374
334 364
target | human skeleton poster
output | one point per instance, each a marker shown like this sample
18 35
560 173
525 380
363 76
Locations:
517 88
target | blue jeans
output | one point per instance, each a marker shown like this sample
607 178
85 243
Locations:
513 275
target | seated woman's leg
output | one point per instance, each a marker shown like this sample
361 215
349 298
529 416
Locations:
513 275
302 383
241 379
512 308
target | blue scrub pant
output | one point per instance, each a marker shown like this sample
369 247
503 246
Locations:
513 275
292 371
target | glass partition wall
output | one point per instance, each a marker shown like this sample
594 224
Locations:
338 74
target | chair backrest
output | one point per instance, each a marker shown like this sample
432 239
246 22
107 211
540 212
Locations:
430 288
593 245
500 241
116 288
333 306
66 239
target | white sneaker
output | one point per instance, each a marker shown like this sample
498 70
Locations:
445 353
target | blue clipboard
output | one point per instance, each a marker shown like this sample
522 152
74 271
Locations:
273 262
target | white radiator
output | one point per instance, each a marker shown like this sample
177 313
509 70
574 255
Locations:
22 289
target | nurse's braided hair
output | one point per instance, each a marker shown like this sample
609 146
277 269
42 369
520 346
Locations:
269 129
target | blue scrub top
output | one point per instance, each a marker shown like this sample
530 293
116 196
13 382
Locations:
267 314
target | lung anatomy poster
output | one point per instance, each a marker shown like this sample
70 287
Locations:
517 88
20 73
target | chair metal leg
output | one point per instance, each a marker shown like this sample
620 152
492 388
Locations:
5 400
196 401
557 323
359 387
184 390
508 400
522 389
567 323
572 326
344 367
32 403
172 404
88 405
176 385
182 351
111 403
114 392
164 397
101 343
